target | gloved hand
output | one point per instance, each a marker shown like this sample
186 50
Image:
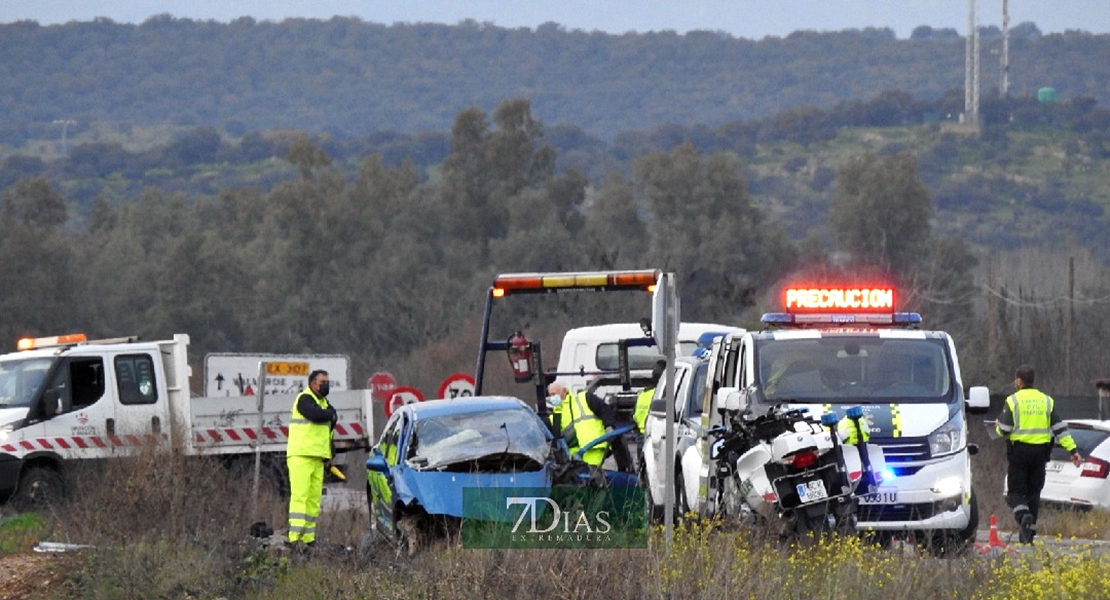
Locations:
1076 458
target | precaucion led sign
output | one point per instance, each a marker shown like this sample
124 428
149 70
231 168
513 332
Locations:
840 299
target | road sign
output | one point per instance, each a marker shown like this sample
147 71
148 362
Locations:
234 374
381 386
402 396
296 369
459 385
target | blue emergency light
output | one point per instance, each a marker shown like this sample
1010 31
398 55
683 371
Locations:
898 318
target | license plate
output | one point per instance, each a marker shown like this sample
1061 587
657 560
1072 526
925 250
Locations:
1054 467
879 498
812 491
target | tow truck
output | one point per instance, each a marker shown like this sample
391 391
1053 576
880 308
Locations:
835 348
618 386
66 399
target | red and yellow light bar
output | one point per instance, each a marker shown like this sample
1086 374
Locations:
50 342
853 299
543 283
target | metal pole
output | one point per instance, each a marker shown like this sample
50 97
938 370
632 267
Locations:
670 329
480 368
261 387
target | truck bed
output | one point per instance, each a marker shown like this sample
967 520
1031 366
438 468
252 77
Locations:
226 425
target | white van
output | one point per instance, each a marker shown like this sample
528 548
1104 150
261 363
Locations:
589 352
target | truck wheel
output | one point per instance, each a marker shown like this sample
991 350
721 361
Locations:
39 489
957 543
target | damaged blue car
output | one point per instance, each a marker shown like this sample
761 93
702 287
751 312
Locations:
430 451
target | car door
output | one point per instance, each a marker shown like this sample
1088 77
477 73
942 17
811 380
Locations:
690 432
75 404
655 444
379 486
141 404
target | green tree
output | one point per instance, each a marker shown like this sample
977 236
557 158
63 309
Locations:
614 236
488 167
880 212
38 291
705 228
34 202
306 156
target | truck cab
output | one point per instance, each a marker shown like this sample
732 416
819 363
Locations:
62 396
831 354
591 351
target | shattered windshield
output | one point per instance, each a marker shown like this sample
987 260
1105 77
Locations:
860 368
20 379
440 441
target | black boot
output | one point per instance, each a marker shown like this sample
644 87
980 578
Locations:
1027 529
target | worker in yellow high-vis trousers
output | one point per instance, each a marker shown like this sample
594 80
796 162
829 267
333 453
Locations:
309 449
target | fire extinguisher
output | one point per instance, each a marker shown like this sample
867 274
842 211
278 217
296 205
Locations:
520 357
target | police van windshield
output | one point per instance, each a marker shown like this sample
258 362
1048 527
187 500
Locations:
20 379
857 368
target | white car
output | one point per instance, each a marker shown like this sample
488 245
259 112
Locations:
690 374
1087 485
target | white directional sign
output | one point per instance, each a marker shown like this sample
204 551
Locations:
232 374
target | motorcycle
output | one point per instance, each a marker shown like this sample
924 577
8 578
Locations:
788 467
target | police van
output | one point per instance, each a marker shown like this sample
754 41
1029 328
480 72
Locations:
837 348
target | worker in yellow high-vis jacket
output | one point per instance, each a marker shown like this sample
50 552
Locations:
1029 423
308 450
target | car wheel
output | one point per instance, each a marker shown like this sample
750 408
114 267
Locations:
408 534
681 503
654 509
40 488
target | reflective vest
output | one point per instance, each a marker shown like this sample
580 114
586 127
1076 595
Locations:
1032 412
575 417
846 428
643 405
305 437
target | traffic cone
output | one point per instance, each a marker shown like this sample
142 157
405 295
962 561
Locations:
993 541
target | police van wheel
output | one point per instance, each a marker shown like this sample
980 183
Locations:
39 489
957 543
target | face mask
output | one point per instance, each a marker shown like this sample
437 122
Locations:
324 389
554 400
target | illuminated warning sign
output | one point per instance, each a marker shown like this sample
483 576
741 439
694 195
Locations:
840 299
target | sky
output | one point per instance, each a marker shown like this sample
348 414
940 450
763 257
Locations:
753 19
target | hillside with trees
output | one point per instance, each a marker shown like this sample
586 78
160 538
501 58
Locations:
348 78
285 214
389 262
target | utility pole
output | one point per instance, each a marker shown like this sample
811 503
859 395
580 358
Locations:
1005 87
971 66
65 123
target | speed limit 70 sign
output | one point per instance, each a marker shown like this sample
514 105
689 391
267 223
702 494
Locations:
459 385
